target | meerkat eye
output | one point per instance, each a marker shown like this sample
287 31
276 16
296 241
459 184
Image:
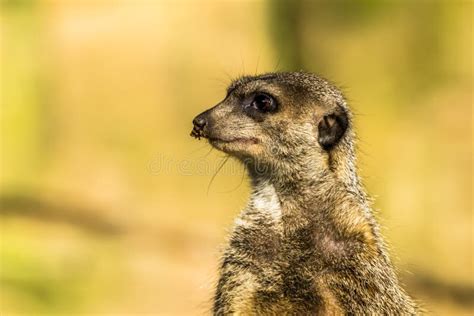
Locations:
264 103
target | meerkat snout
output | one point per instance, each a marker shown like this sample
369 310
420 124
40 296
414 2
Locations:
199 123
271 117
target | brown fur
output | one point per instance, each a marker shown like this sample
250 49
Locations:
307 243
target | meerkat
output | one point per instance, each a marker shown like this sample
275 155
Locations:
307 243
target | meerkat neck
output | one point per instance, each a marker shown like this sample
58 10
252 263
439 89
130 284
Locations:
299 189
290 191
309 178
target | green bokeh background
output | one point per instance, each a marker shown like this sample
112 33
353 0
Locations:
106 205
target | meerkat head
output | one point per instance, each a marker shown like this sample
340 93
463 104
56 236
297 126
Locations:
276 119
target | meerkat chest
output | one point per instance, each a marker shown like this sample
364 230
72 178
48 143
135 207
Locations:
269 261
258 229
264 209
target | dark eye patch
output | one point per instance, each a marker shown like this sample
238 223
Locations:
259 104
264 103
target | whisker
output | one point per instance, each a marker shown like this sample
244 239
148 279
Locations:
278 64
215 174
238 186
242 63
196 150
207 154
258 61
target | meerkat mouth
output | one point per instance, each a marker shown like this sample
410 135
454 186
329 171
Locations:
198 133
243 140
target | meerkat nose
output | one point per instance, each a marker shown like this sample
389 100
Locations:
199 122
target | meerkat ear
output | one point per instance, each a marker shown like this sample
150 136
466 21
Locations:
332 127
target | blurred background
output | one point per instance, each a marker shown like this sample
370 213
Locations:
106 203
